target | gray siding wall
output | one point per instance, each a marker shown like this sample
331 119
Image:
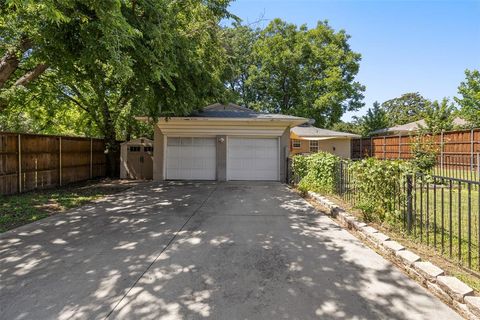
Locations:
158 155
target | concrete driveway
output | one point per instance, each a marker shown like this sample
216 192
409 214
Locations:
198 250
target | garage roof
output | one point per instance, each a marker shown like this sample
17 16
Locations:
231 110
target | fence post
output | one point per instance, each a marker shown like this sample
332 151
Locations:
400 146
478 165
361 148
371 147
60 161
384 147
442 155
91 158
19 143
409 203
341 178
471 153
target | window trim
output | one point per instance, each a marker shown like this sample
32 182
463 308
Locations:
134 149
299 143
310 146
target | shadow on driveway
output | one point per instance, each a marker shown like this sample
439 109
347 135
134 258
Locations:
199 250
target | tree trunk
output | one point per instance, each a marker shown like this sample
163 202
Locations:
8 65
110 142
10 61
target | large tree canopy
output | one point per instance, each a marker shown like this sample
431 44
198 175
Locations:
295 70
439 116
407 108
375 119
111 59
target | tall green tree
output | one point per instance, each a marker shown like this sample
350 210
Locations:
439 116
39 34
469 99
407 108
238 42
300 71
375 119
117 59
347 126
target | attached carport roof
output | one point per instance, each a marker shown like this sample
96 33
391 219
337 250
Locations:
308 132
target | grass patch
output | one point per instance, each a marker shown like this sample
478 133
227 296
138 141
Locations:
17 210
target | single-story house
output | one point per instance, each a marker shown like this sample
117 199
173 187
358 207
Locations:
412 127
307 139
223 142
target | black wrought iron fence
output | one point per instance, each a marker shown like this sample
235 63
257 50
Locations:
439 211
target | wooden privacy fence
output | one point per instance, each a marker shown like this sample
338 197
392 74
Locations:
458 151
29 161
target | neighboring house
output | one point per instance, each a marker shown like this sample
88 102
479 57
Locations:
412 127
306 139
223 142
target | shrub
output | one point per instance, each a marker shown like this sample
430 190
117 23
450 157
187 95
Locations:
317 172
425 153
378 184
300 166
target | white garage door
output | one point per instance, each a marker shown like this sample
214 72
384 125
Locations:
191 159
252 159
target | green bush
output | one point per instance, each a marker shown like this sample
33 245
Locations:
300 166
317 172
378 184
425 153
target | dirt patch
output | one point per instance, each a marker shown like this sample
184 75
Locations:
20 209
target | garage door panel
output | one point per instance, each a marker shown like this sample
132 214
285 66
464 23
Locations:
253 159
191 158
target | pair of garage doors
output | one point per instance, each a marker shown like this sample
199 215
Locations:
192 158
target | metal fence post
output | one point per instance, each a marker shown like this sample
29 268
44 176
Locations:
341 178
471 153
409 203
442 155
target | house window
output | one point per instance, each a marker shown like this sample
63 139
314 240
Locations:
313 146
296 144
134 149
148 149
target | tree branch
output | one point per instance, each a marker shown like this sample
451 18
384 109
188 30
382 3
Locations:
10 61
31 75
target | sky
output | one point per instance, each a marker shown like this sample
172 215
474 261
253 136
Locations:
406 45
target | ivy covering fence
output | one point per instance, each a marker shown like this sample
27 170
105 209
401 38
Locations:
404 197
